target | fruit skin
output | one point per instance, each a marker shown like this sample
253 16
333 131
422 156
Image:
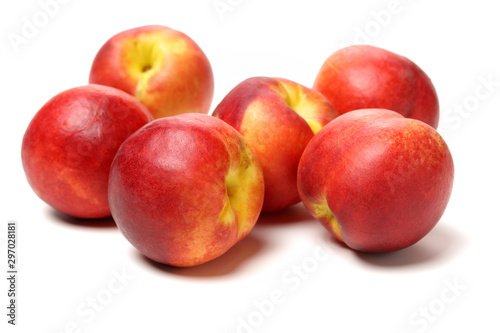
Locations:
70 143
163 68
364 76
277 117
185 189
378 181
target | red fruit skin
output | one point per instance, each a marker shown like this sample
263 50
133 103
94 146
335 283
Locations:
167 189
385 179
69 145
276 133
364 76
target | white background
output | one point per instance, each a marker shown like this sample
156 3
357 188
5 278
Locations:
64 263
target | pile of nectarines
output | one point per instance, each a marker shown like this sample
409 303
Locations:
360 149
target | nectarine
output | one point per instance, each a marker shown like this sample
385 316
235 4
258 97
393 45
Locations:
185 189
69 145
378 181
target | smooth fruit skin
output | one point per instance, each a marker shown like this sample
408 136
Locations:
69 145
185 189
278 118
378 181
364 76
163 68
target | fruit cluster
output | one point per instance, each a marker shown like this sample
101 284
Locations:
359 149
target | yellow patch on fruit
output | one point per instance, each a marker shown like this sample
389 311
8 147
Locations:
239 182
227 214
297 100
323 212
144 56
